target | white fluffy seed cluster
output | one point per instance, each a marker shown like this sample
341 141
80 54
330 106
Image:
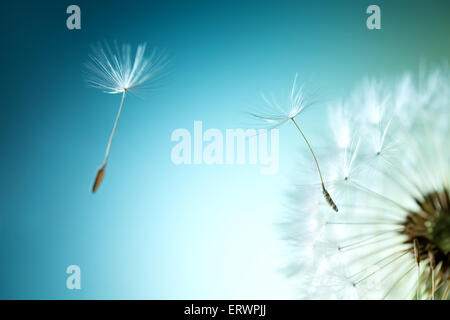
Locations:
388 144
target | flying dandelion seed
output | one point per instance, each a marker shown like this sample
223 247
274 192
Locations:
278 115
118 71
391 178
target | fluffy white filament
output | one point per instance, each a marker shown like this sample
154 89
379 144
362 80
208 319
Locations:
390 144
116 69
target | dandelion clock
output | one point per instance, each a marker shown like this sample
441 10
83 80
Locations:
388 166
117 70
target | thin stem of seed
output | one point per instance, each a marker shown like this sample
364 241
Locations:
310 149
432 284
101 172
418 282
432 265
326 195
417 258
108 148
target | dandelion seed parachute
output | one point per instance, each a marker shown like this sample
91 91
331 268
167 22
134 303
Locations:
118 71
389 171
277 115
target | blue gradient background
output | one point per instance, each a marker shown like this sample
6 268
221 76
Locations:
156 230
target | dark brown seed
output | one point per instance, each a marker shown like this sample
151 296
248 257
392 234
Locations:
98 179
329 200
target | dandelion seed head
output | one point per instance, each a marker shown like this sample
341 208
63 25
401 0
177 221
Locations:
389 173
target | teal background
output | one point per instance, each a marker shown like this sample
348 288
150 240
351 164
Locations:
156 230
